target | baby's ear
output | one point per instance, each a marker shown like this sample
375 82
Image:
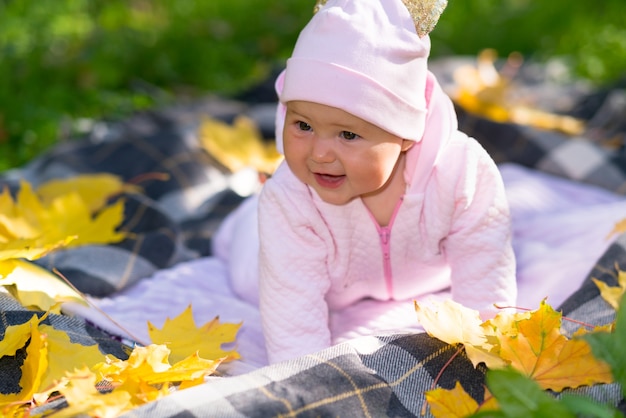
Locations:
407 144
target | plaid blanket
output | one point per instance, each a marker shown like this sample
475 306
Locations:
174 221
372 376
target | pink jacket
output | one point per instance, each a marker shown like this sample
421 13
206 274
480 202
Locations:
451 228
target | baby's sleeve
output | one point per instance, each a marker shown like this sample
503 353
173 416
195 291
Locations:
479 248
293 277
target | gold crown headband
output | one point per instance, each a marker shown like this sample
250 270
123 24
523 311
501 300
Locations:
425 13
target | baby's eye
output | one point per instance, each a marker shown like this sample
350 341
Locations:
348 135
303 126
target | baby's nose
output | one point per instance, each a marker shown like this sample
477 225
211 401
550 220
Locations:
322 150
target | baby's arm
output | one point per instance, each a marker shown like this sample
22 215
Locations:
479 246
293 275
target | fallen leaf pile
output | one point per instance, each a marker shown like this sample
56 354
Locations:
528 343
59 214
101 385
62 214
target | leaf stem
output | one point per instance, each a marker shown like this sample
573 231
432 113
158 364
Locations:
565 318
445 366
155 175
97 308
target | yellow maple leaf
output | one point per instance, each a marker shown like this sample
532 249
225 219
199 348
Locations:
6 267
17 410
94 189
191 369
483 90
29 228
34 365
451 403
36 287
147 374
531 342
68 215
30 249
504 323
196 379
14 224
457 403
454 323
65 355
128 375
612 294
239 146
142 392
151 365
84 399
490 403
184 338
49 354
536 347
143 361
134 375
16 336
20 219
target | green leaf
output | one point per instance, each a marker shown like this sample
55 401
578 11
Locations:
587 407
609 347
520 397
489 414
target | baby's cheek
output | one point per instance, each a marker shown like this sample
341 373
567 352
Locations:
385 173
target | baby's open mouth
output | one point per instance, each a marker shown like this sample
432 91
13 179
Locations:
329 180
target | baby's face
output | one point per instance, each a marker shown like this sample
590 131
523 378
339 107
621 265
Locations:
338 154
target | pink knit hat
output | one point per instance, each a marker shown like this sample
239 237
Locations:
364 57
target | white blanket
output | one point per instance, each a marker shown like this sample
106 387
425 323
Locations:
560 229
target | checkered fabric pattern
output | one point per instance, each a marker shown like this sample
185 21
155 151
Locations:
376 376
368 377
175 219
172 221
577 158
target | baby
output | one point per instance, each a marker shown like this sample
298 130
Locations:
379 196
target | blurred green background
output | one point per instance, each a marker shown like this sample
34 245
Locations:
65 63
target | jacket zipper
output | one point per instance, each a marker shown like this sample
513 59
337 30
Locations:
385 238
384 232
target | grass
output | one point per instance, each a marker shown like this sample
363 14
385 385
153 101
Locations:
64 62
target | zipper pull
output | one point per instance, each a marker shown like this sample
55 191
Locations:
384 235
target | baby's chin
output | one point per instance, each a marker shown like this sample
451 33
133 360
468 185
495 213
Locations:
333 198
